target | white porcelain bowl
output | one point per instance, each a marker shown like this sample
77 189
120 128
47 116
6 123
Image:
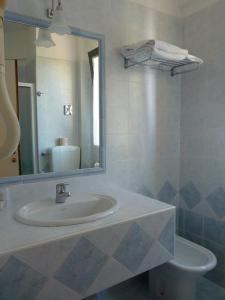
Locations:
192 258
176 280
77 210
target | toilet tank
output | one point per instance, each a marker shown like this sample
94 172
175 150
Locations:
64 158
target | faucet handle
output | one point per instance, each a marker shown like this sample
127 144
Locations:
61 187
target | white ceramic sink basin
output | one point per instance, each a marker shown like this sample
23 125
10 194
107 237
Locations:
77 210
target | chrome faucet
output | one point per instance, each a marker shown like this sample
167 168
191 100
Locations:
61 193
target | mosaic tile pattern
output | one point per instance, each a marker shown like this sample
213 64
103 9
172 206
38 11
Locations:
133 248
217 202
203 222
191 195
88 265
166 238
82 266
19 281
167 193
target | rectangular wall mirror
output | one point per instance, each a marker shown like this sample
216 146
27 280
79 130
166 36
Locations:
56 85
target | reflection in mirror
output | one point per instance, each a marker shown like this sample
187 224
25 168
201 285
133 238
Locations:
53 82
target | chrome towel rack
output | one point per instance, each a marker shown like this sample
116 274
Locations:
164 65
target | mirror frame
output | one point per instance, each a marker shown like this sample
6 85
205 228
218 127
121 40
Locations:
30 21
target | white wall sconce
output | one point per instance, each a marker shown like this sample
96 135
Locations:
58 24
44 39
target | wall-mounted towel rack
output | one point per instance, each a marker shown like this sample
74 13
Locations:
161 56
174 67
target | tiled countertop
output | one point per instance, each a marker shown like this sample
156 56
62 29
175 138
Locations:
15 236
74 262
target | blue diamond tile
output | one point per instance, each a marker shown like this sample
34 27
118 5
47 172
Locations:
145 191
191 195
166 237
82 266
18 281
167 193
217 202
133 248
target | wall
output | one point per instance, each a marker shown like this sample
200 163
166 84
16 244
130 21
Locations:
189 7
142 105
202 214
56 81
24 52
165 6
143 112
64 77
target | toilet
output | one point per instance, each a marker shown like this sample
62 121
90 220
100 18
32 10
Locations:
176 280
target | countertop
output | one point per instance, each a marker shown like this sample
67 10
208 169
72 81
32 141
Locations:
15 236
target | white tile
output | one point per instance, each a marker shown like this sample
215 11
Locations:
117 147
54 290
156 257
48 258
112 273
117 93
108 239
117 120
155 225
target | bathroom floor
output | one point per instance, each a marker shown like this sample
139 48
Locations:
137 289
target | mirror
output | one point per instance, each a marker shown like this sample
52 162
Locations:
54 83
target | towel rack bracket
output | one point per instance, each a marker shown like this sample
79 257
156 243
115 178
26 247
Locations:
173 67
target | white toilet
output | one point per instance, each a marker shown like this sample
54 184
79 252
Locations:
176 280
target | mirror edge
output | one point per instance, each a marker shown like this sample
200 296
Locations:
17 18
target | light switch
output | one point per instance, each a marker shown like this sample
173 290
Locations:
68 110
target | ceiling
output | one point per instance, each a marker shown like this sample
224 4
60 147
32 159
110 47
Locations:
180 8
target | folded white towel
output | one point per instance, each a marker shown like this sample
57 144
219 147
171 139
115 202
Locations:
149 52
149 45
194 59
160 54
170 48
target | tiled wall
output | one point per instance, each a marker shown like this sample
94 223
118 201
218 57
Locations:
143 112
202 213
102 258
143 107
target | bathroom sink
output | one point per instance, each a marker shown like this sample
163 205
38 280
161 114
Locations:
76 210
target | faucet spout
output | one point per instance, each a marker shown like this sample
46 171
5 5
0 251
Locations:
61 193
